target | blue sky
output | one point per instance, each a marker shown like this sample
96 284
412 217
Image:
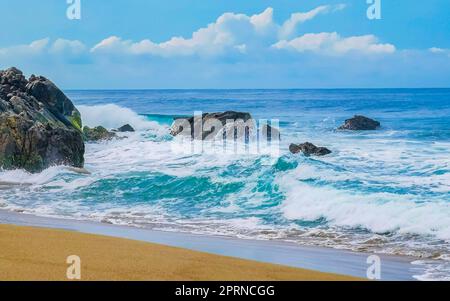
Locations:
229 43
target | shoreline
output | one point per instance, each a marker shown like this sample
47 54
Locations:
289 255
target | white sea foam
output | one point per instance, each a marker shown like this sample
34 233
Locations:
19 176
433 270
377 212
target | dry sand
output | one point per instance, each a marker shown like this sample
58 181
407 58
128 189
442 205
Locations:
28 253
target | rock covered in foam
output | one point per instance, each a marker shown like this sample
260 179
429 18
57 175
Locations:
39 125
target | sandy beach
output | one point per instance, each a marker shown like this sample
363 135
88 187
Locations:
309 258
30 253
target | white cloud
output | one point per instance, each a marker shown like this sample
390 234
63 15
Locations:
289 26
44 46
333 44
264 21
67 46
437 50
35 47
230 33
112 44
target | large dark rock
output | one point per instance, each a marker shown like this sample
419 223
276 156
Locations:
98 133
187 126
54 99
309 149
39 125
360 123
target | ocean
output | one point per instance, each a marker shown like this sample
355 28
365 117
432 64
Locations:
384 191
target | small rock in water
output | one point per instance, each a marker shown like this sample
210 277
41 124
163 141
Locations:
98 133
360 123
309 149
125 128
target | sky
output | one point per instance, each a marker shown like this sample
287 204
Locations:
215 44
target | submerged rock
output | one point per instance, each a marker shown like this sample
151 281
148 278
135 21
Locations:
360 123
98 133
213 123
309 149
39 125
125 128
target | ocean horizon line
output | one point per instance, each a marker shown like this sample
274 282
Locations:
253 89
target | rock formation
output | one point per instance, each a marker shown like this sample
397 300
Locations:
214 123
39 125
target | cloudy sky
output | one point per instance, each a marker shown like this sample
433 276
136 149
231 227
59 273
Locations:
121 44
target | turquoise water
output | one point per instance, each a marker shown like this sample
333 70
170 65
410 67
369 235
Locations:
383 191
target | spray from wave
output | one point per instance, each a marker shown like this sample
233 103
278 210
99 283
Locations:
112 116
